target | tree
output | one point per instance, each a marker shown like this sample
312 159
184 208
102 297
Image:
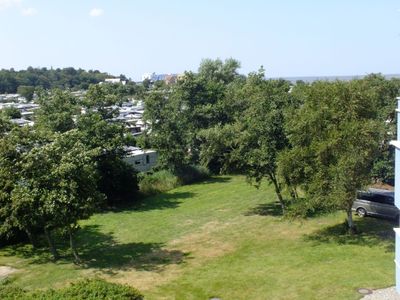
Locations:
168 130
56 186
100 130
219 71
56 111
11 112
26 91
335 136
15 214
262 136
178 114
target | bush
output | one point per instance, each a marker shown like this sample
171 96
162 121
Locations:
190 174
157 182
11 292
118 181
89 289
162 181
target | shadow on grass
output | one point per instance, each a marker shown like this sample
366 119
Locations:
40 255
215 180
371 232
163 201
267 209
156 202
101 251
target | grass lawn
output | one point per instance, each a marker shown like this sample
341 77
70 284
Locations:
220 238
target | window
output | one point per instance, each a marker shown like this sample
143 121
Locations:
137 162
147 159
379 198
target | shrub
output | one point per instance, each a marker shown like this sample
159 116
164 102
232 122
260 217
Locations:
162 181
11 292
89 289
118 181
190 174
157 182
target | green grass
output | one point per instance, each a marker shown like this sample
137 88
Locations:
220 238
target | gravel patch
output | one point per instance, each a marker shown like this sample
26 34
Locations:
383 294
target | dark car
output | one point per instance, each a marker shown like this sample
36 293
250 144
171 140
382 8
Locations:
376 202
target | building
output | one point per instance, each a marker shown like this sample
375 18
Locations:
114 80
22 122
396 144
167 78
141 160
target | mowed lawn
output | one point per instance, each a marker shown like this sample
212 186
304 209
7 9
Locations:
220 238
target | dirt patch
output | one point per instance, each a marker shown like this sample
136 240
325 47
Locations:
192 249
5 271
203 244
383 186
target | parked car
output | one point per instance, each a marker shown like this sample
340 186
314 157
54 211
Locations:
376 202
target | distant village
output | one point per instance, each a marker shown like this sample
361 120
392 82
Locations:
130 113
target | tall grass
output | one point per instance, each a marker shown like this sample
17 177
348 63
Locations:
164 180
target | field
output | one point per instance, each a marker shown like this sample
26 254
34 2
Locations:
220 238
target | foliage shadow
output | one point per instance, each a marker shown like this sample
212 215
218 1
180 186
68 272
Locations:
370 232
101 251
156 202
266 209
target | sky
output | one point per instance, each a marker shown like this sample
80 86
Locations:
287 37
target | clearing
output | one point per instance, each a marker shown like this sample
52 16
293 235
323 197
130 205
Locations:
219 238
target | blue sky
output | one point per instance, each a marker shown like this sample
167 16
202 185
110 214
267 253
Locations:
287 37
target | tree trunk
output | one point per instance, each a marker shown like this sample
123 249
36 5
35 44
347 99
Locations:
31 238
72 245
50 241
278 191
350 223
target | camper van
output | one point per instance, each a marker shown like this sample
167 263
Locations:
141 160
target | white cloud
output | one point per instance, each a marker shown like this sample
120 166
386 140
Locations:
95 12
4 4
30 11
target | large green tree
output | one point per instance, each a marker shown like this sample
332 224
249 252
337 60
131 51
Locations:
55 186
56 111
335 135
100 130
252 141
198 101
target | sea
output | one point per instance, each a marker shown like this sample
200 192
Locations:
309 79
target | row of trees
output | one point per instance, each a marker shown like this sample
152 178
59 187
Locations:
322 141
65 168
24 81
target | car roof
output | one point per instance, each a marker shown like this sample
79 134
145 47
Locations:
381 192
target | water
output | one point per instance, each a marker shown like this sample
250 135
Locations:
330 78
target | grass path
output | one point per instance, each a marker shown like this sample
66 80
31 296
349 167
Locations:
221 238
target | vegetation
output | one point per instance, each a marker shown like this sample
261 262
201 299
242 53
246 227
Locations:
153 183
313 145
24 81
11 113
325 140
335 137
219 238
64 168
157 182
85 289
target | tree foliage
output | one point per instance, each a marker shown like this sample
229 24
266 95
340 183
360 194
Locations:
335 136
22 81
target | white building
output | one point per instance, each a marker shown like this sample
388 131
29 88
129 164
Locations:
148 76
115 80
141 160
396 144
